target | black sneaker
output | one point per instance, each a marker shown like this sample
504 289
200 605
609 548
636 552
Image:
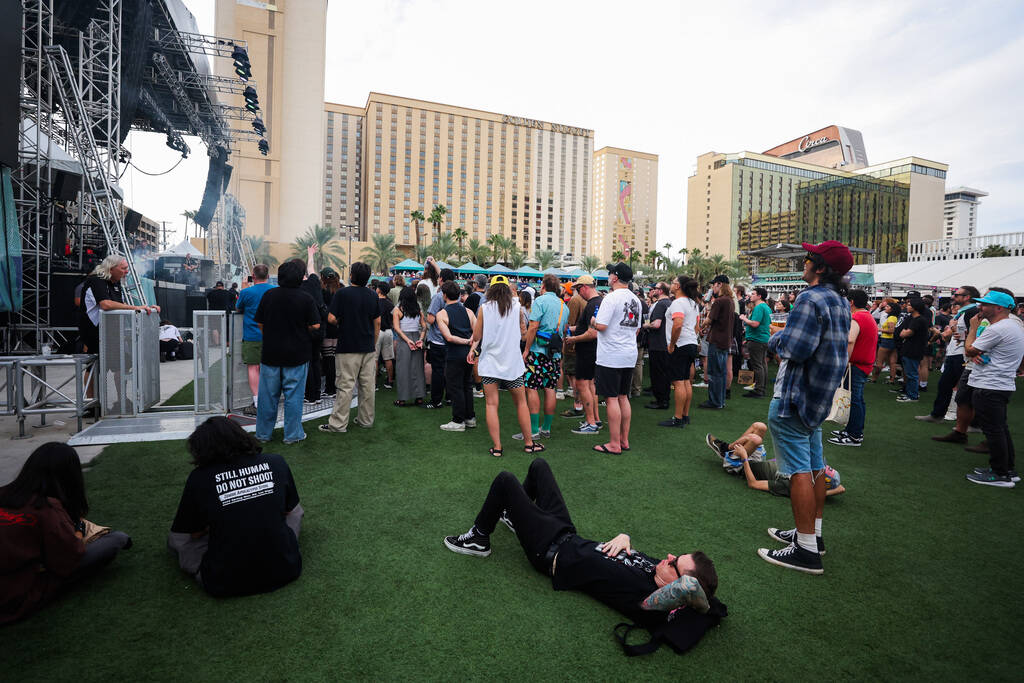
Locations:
789 536
672 422
1012 474
717 445
990 478
506 521
470 543
432 406
793 557
654 405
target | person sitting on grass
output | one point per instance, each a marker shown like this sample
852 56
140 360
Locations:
625 579
748 455
46 544
237 526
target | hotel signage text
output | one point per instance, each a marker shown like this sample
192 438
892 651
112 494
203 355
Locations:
541 125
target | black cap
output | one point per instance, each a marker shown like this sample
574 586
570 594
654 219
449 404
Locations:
220 283
724 279
621 271
328 272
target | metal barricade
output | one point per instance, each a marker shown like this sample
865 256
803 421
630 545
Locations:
56 384
8 372
129 374
211 361
239 394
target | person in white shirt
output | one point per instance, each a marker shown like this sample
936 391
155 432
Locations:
681 322
617 323
170 340
997 355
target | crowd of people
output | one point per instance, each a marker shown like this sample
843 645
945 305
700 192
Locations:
442 346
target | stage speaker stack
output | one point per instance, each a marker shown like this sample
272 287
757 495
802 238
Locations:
10 73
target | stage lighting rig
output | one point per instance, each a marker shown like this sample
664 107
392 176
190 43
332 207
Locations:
252 100
258 126
264 147
241 61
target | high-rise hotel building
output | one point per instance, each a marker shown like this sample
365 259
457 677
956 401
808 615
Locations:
625 202
495 173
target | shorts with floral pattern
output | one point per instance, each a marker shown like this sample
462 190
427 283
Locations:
541 371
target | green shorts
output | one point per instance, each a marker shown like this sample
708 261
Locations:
569 363
251 352
768 470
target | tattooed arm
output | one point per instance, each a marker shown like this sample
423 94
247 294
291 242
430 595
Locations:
684 591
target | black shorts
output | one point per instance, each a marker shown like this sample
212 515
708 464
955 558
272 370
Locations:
964 393
612 382
585 365
680 362
90 336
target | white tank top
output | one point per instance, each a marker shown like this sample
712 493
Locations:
500 356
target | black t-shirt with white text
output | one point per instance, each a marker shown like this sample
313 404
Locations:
355 308
286 314
243 504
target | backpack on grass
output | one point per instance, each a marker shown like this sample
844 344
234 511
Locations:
684 629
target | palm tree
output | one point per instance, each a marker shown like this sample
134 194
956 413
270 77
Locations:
443 247
501 246
545 259
261 251
190 216
994 250
478 252
590 263
329 251
436 217
416 216
683 251
618 256
420 253
516 257
382 254
459 234
652 257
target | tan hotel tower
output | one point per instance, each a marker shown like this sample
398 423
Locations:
625 202
282 192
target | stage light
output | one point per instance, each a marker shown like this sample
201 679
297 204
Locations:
264 147
242 66
252 101
259 127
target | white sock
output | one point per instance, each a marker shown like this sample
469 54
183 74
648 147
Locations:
817 527
255 401
807 542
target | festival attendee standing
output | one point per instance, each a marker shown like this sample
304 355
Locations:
682 320
915 335
657 349
218 298
617 323
410 330
311 285
997 356
102 292
397 285
719 327
813 353
331 283
576 305
252 338
953 366
286 315
456 325
476 296
355 311
861 349
497 332
549 318
436 352
584 343
755 336
385 349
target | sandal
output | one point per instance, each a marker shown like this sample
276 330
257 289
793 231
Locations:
496 452
601 448
537 447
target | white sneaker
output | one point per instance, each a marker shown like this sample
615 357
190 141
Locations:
470 422
750 388
701 385
453 427
560 395
477 393
569 392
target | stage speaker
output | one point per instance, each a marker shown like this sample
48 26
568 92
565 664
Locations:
66 186
10 74
59 233
214 189
62 299
132 220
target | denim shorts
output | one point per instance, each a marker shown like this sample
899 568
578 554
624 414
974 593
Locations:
886 343
797 447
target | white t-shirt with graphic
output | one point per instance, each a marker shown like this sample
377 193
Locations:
686 308
616 346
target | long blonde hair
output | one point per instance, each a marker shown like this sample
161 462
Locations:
102 268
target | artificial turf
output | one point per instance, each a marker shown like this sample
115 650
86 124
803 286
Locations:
920 577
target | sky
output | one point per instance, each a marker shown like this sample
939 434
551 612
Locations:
937 80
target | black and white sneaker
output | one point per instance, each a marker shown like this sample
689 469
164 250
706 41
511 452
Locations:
789 536
1012 474
838 432
793 557
506 521
470 543
717 445
990 478
846 440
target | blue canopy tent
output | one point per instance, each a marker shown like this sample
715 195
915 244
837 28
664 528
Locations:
529 271
441 265
407 264
498 269
576 272
558 272
470 268
600 274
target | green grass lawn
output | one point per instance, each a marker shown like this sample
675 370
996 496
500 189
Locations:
920 577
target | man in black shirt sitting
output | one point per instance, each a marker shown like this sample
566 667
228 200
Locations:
635 584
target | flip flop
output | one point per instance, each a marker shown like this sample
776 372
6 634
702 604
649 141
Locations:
496 452
601 448
537 447
625 448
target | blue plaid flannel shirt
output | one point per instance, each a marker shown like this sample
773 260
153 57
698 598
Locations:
813 343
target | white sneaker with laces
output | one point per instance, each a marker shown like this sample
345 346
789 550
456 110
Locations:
470 422
559 395
453 427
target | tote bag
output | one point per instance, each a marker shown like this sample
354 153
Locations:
840 412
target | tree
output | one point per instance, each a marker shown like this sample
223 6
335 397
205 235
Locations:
618 256
516 257
590 263
190 216
478 252
261 251
416 216
421 252
459 234
436 217
443 247
382 254
501 246
329 251
994 250
545 259
652 258
683 251
900 249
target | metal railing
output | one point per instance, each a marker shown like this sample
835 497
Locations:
129 367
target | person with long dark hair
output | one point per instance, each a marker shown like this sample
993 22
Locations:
331 283
43 530
682 319
410 328
237 526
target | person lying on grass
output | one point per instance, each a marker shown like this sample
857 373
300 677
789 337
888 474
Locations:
627 580
237 526
747 455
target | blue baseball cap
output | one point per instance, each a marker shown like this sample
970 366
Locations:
997 299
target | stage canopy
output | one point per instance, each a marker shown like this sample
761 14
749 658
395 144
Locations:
408 264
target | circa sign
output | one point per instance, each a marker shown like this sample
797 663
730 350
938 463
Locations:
534 123
807 143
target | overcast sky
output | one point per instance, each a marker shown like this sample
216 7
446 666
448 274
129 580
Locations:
938 80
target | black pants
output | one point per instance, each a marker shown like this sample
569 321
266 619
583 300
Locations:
947 384
436 356
535 508
458 377
170 347
328 370
313 374
757 351
659 375
990 412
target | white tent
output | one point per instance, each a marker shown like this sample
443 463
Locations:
925 276
183 248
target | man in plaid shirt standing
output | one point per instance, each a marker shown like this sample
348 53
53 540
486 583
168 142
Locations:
813 357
